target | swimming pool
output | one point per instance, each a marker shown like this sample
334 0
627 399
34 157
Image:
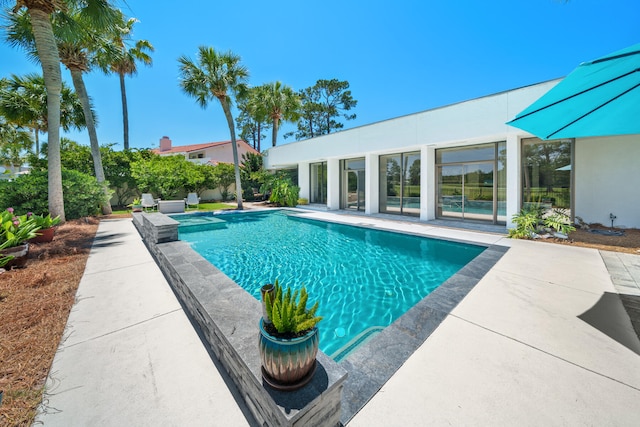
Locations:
364 279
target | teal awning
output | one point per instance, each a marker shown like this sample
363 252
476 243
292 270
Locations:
599 98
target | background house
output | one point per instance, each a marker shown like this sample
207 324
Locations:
209 152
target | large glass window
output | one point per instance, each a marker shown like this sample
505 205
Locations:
318 193
546 173
472 182
400 183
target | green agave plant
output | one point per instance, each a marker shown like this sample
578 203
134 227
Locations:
288 310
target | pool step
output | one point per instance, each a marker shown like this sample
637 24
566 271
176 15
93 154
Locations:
202 224
355 342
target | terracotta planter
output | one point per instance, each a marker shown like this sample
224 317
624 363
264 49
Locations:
288 364
20 254
44 235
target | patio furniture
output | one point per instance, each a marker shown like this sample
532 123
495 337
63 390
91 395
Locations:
171 206
147 201
192 200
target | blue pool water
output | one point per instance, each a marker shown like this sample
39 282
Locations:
364 279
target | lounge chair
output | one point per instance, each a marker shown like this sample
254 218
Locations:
148 202
192 200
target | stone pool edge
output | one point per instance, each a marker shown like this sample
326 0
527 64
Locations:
228 319
371 365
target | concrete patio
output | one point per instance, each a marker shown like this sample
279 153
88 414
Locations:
542 339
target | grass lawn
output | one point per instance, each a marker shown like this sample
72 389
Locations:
204 207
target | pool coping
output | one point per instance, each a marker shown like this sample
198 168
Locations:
371 365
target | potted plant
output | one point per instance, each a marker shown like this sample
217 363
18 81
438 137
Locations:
136 205
288 338
46 224
15 231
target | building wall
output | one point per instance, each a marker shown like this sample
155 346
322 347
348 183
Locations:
482 120
475 121
607 176
224 153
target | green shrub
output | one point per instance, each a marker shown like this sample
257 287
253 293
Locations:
527 221
29 193
283 192
533 219
560 221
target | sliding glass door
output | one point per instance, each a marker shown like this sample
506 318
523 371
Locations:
471 182
318 193
400 184
353 182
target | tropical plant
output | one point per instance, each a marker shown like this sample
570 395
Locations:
123 61
44 222
216 76
253 174
16 229
278 103
526 221
534 219
14 144
46 52
283 191
23 101
560 221
288 311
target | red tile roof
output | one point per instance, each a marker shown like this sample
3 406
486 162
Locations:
197 147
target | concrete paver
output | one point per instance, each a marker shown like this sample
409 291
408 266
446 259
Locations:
130 356
518 350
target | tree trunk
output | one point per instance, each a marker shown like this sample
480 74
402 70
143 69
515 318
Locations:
236 163
259 130
125 112
81 90
274 132
50 60
36 131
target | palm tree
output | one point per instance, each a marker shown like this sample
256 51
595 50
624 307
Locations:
74 33
14 142
40 12
47 52
23 101
124 63
280 103
216 76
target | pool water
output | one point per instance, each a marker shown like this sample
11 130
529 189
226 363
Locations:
363 279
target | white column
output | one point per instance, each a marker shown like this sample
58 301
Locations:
514 188
372 177
427 183
333 184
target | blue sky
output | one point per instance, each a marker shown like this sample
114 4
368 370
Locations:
399 57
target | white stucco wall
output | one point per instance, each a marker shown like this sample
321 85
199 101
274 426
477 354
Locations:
607 180
607 176
470 122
